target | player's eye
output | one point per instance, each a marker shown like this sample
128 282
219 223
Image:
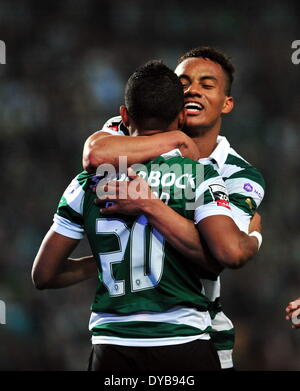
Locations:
184 82
207 86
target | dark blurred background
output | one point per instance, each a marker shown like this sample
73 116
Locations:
66 66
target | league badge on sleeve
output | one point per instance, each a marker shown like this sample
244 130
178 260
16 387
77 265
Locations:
220 195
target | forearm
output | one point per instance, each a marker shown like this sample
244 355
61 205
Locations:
73 271
101 149
181 233
231 247
248 246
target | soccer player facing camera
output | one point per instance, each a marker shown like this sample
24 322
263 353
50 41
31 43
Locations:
206 76
149 312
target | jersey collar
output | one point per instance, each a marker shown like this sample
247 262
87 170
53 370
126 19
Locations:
220 153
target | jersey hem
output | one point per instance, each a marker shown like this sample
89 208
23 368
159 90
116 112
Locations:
147 342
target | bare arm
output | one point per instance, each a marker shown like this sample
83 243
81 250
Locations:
53 269
221 243
184 238
181 233
228 247
102 148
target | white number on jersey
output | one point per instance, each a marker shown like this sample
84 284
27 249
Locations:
139 278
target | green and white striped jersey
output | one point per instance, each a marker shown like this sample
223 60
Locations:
148 293
245 186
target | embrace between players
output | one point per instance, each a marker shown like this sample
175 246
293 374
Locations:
157 305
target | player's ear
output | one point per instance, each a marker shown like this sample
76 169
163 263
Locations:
228 105
125 115
181 119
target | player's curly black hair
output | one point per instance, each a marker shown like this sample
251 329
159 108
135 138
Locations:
215 56
153 94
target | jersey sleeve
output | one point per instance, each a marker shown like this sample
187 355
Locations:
115 127
68 219
246 191
211 196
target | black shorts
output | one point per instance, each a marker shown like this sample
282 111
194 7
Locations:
199 355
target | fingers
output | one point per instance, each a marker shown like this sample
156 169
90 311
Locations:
99 202
293 313
296 319
113 190
293 305
125 190
109 210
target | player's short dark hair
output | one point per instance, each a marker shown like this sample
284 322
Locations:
153 95
215 56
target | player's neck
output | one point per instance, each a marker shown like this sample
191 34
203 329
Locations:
142 132
206 142
137 131
154 125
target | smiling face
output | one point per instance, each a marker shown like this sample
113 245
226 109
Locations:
204 83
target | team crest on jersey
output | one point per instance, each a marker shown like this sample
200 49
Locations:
220 195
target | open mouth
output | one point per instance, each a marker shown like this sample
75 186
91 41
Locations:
193 107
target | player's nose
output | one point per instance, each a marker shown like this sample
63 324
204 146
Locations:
192 90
